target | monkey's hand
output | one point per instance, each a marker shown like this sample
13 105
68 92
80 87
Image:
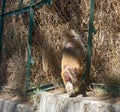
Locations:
69 89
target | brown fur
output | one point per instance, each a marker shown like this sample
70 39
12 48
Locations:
72 62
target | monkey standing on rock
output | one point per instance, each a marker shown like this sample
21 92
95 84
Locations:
72 62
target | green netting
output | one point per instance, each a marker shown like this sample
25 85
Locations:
13 14
2 25
19 27
19 9
86 76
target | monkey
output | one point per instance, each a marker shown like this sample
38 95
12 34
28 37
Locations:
72 63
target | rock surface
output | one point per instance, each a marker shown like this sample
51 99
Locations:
9 106
48 102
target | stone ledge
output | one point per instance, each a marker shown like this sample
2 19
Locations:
48 102
9 106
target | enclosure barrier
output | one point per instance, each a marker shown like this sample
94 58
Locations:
21 10
31 8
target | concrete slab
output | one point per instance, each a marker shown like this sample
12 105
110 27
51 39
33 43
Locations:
10 106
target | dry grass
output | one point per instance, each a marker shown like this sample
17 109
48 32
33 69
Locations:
106 43
50 24
14 53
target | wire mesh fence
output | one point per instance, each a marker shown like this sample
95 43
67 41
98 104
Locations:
50 23
0 7
14 51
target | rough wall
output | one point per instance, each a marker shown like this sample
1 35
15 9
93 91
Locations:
62 103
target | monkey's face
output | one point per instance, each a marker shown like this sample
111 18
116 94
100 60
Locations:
73 49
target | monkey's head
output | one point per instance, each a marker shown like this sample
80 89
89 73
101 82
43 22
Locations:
73 43
68 36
